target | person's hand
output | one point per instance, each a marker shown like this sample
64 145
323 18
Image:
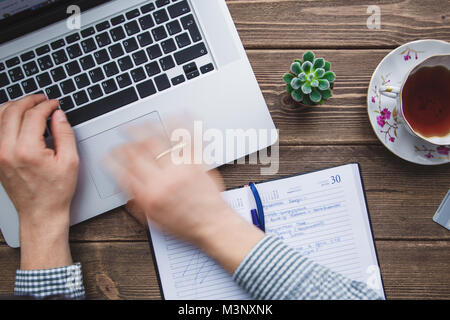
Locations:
39 181
183 200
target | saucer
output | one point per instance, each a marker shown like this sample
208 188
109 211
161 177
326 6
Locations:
387 124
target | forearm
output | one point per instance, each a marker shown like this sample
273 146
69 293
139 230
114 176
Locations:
273 271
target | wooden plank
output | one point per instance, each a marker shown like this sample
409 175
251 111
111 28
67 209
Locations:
401 199
337 23
417 269
341 120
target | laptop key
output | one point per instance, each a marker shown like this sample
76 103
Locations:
138 74
188 68
43 50
146 89
67 86
160 16
183 40
193 74
190 25
72 68
154 52
59 57
87 32
174 27
123 80
96 75
111 69
88 45
145 39
30 68
95 92
45 63
159 33
132 28
103 39
162 3
146 22
58 74
53 92
73 38
27 56
14 91
16 74
74 51
162 82
168 46
43 80
117 20
117 33
139 57
133 14
3 97
190 53
109 86
102 26
179 9
82 81
57 44
152 69
167 63
101 56
4 81
29 85
66 103
130 45
12 62
178 80
80 98
87 62
147 8
207 68
116 51
102 106
125 63
2 66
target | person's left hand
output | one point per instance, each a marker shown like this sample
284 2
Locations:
40 181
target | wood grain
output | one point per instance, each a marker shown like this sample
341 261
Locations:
417 269
341 120
337 23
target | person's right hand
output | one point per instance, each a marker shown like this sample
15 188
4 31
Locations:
185 201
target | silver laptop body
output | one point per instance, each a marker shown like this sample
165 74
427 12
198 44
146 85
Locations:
217 86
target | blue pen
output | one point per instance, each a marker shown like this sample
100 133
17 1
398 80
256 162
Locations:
259 207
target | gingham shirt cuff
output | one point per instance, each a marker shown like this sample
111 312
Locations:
66 282
273 271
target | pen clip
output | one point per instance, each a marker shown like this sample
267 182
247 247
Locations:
259 206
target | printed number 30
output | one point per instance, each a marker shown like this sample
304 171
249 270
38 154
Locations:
336 179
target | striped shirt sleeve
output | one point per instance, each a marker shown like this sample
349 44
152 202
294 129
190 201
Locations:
65 281
273 271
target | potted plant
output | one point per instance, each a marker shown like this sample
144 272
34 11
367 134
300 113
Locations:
310 82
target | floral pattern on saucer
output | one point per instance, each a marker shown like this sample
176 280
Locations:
383 114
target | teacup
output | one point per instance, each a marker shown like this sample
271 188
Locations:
427 113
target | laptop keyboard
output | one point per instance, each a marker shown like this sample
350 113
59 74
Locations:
112 63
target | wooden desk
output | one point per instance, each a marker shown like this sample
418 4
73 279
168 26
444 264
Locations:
414 252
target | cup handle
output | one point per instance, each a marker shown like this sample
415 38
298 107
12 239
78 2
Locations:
389 91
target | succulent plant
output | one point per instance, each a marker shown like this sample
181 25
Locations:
310 81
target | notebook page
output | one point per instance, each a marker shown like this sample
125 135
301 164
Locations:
321 214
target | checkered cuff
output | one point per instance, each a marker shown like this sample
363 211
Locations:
65 281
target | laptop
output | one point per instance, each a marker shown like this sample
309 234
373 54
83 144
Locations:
130 62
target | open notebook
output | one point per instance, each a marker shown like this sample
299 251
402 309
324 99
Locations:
322 214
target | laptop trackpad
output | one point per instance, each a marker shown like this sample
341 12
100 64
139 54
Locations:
94 150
